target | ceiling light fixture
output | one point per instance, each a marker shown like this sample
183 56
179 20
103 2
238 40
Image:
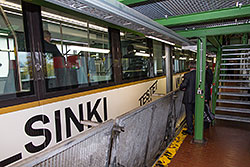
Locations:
142 54
88 49
142 28
161 40
3 34
127 23
108 17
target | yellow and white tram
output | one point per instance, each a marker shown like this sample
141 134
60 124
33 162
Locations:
89 69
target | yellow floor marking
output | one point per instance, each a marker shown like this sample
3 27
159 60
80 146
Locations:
170 152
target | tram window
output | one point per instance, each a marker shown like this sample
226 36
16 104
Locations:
16 77
180 65
181 59
135 57
100 68
183 65
158 60
84 58
176 66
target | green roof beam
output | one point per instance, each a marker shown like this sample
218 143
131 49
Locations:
224 30
130 2
213 40
212 49
209 16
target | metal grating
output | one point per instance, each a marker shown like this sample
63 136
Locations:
211 25
156 9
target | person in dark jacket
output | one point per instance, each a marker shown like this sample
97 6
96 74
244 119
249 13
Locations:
188 86
136 64
208 84
58 59
48 46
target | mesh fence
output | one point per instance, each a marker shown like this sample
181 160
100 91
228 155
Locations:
133 139
86 150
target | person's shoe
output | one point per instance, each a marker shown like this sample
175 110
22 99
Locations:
187 132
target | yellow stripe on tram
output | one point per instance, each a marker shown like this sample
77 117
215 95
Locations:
170 152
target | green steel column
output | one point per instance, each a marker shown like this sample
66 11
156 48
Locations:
200 89
216 79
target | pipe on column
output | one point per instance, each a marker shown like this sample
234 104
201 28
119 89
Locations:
200 90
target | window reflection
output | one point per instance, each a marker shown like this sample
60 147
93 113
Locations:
181 59
16 78
84 58
158 53
135 57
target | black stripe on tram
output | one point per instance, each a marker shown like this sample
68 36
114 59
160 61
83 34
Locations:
10 160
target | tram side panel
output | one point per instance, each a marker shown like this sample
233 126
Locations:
161 86
29 131
177 79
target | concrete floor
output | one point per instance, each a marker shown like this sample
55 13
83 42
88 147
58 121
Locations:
228 145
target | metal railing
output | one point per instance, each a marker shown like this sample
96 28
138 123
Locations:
132 139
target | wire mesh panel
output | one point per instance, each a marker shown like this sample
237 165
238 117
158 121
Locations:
130 146
163 107
145 130
179 106
165 8
89 149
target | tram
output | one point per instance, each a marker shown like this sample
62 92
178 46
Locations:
59 67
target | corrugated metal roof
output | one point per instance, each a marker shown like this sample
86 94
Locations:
156 9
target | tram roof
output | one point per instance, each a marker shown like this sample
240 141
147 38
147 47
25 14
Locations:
116 13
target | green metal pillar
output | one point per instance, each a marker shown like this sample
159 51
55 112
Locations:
200 89
216 79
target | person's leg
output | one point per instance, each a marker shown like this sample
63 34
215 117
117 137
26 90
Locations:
192 108
189 117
